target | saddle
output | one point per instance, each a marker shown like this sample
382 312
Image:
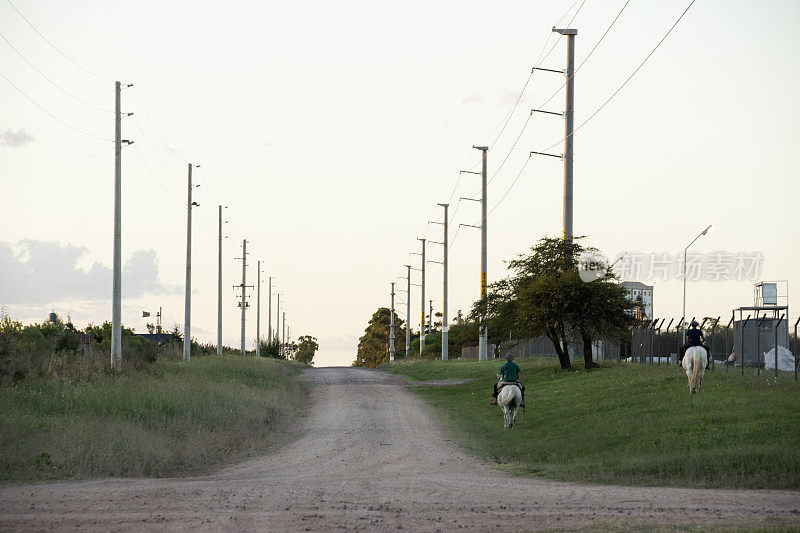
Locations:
502 384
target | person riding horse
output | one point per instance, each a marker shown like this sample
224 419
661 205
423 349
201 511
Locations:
694 337
509 375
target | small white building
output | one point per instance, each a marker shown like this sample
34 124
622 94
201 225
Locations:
643 294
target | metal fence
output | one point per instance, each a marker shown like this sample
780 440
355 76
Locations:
735 344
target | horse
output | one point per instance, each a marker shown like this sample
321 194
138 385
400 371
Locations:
510 398
694 362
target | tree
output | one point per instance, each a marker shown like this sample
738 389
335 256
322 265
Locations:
271 349
373 346
307 348
546 296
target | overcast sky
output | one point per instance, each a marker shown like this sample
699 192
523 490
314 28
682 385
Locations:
332 129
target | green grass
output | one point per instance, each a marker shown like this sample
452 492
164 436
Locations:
626 423
169 419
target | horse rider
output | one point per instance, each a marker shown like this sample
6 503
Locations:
509 375
694 337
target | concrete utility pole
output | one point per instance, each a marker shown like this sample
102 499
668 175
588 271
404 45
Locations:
483 343
269 313
116 299
445 354
408 312
568 129
258 312
422 305
219 286
391 328
283 342
187 313
243 303
278 324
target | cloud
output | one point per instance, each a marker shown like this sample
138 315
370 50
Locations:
473 98
39 272
14 139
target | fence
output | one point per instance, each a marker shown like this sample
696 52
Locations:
659 341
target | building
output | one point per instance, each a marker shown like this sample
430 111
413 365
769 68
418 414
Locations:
642 295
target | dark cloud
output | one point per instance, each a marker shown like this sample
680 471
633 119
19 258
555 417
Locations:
40 272
14 139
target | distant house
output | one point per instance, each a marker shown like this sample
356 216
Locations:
642 295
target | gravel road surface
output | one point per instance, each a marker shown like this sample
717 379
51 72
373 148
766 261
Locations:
370 457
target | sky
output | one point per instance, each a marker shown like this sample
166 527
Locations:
332 130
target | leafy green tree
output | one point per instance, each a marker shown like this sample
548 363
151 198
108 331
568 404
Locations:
271 349
306 349
373 346
546 296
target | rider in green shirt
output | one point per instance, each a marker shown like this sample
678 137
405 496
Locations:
509 373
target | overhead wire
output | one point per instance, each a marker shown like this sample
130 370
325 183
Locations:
54 47
54 84
605 103
52 115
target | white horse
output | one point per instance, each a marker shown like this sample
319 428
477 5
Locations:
694 362
510 398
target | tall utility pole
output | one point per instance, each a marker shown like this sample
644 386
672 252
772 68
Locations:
391 328
258 312
269 313
444 288
422 304
116 299
278 324
568 124
187 312
483 343
408 312
430 318
244 286
219 286
283 342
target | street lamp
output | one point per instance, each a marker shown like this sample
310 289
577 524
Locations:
683 323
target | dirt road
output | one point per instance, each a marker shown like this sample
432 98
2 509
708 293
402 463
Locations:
370 457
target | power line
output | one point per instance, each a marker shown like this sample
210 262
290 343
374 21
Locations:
539 61
54 46
604 103
150 146
508 154
150 171
596 111
54 84
64 122
150 119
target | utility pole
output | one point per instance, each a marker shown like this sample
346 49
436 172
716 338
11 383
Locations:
278 324
258 312
243 304
269 313
219 286
187 314
445 354
483 345
116 299
283 343
408 312
568 129
391 328
422 305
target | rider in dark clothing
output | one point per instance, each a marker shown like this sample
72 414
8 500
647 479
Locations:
509 373
694 337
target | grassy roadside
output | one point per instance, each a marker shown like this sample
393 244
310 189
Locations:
169 419
625 423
